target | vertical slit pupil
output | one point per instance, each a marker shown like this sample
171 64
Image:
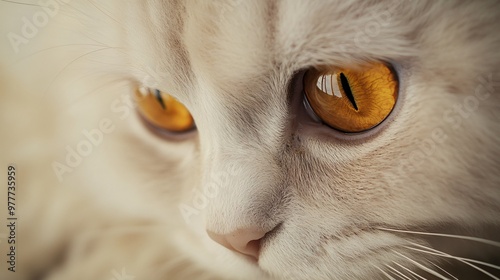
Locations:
160 99
347 90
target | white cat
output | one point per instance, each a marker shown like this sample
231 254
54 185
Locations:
310 140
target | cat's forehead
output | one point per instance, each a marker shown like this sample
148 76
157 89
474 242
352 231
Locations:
237 42
237 45
232 45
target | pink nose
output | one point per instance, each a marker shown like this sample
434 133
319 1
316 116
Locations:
245 241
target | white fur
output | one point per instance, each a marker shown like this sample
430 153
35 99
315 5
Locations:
236 66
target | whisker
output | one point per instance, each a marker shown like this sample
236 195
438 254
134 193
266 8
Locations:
74 60
412 277
398 272
77 99
105 12
457 258
471 238
385 273
56 47
433 272
443 270
443 254
410 271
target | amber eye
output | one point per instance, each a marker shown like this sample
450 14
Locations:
163 111
352 100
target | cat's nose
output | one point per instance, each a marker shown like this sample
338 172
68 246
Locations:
245 241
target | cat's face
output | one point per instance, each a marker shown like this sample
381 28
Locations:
320 202
263 165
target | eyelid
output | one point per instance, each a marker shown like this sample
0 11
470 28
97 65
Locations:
309 110
165 134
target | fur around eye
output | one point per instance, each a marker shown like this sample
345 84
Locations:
352 100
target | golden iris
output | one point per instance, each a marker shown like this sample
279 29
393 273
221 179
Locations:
352 100
163 111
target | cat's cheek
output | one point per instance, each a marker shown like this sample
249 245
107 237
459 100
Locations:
452 119
119 107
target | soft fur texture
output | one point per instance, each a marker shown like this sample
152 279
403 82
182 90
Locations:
143 203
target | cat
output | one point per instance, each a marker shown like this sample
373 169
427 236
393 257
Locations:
258 179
